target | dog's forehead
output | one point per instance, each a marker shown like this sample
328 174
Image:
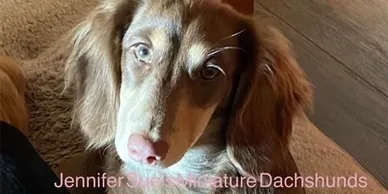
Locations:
206 18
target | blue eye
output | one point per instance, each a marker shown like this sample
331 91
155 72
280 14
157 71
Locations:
143 53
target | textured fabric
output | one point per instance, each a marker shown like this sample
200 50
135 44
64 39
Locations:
28 31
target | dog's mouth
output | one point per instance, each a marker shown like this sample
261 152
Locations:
154 155
146 153
141 150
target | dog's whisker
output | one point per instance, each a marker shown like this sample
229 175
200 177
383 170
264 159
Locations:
230 36
268 70
218 50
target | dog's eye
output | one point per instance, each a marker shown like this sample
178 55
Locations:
143 53
210 71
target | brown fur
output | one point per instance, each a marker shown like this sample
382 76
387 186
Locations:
262 91
12 87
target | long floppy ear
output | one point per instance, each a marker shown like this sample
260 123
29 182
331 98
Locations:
94 67
272 89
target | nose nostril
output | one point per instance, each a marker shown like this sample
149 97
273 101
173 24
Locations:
151 160
146 151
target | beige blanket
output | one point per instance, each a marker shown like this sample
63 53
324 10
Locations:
29 30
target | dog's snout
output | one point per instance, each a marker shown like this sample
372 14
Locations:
146 151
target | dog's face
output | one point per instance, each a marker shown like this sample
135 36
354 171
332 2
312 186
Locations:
178 63
152 76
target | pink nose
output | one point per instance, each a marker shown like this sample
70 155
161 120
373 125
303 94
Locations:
146 151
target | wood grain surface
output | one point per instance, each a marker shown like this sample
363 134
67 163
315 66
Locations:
343 47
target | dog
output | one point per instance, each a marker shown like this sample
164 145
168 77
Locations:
12 88
186 88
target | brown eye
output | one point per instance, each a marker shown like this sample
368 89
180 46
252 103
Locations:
210 71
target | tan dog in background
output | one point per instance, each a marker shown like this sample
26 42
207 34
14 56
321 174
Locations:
12 87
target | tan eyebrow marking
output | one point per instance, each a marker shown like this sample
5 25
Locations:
159 38
196 55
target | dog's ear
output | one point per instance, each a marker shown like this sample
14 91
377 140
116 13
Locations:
93 66
271 89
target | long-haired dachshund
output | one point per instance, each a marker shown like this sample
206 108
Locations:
177 90
12 88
